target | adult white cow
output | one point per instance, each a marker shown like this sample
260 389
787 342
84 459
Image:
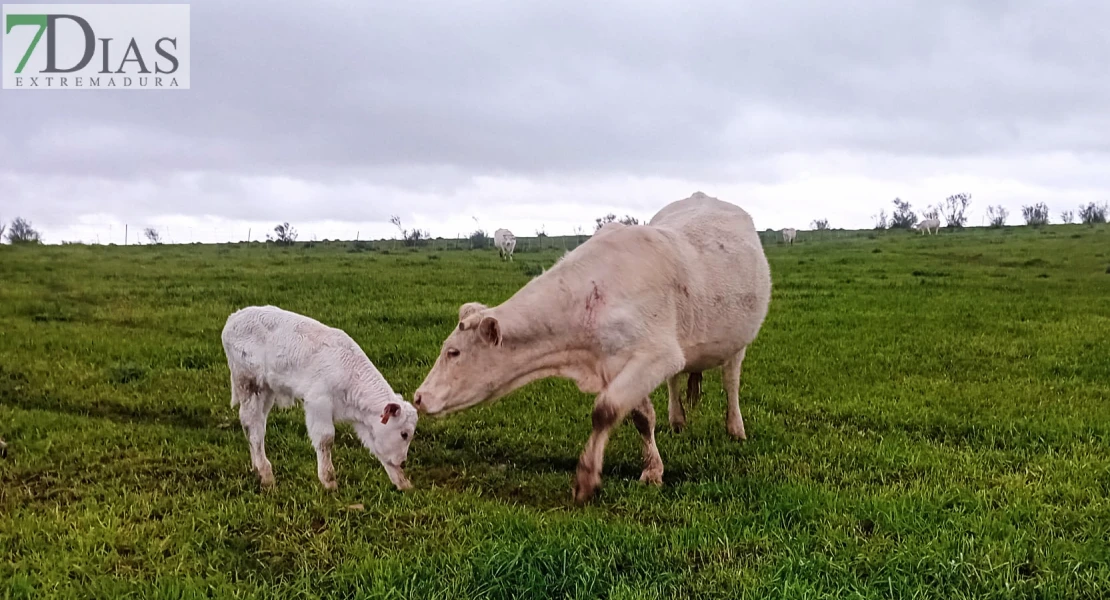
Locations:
505 242
788 235
631 308
930 225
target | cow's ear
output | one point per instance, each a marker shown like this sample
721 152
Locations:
490 330
467 310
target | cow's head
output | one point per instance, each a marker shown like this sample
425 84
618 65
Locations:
472 367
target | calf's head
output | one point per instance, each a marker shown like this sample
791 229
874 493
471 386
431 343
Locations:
391 435
472 365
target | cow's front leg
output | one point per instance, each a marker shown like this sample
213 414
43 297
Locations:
643 417
623 394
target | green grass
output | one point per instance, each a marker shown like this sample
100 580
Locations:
929 417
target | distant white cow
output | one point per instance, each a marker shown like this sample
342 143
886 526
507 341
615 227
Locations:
930 225
505 242
789 234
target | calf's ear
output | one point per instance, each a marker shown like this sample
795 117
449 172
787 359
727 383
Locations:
391 410
490 331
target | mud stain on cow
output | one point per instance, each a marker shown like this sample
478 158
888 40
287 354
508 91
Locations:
594 302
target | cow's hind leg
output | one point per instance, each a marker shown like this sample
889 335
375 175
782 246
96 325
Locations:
693 389
643 417
731 374
675 415
623 394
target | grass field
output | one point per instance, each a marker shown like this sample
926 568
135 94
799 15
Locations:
928 417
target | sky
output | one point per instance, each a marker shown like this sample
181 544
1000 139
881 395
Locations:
546 115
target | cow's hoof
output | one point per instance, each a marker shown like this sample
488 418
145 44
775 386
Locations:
652 477
586 487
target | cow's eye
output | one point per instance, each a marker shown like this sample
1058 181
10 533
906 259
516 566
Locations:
452 352
404 435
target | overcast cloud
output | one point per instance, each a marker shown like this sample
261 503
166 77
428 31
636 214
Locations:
334 116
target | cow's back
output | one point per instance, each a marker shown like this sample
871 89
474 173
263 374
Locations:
707 223
726 281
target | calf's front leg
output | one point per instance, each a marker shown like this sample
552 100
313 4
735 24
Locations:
321 430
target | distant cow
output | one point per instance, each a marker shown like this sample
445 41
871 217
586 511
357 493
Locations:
789 234
930 225
631 308
505 242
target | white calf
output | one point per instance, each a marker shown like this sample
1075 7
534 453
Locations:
276 356
789 234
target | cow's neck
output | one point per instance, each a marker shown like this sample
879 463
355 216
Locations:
543 327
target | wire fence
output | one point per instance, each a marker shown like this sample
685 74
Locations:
128 235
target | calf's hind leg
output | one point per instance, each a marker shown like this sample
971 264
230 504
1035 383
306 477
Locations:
254 408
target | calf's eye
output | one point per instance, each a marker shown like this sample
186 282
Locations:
404 435
452 352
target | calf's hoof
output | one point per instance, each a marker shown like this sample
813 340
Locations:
327 479
678 426
267 482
